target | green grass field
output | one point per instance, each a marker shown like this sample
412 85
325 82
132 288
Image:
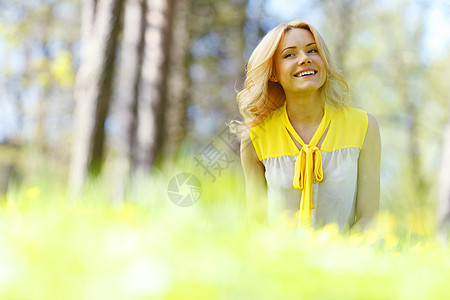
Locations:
55 247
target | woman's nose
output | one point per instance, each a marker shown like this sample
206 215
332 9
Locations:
304 59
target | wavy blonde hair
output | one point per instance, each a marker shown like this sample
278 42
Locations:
261 96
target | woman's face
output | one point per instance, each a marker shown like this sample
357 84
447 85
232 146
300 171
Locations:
299 68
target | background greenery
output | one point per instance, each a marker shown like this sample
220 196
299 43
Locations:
57 245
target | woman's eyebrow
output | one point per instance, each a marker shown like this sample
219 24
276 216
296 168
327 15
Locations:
287 48
293 47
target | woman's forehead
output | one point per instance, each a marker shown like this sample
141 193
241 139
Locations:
296 37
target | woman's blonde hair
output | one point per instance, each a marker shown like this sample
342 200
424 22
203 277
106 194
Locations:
261 96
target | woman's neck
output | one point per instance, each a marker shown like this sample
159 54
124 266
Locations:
306 110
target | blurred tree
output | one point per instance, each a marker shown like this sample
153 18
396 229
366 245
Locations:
407 78
342 24
444 184
101 20
178 87
130 70
216 66
44 76
438 90
143 87
167 91
404 71
153 85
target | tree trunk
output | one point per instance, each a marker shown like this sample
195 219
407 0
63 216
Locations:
178 92
41 111
153 86
100 30
45 84
130 77
20 96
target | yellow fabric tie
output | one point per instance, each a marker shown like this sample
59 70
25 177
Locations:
308 166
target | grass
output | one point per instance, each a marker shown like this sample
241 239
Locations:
52 247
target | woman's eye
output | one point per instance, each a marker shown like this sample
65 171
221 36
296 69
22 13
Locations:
288 55
312 51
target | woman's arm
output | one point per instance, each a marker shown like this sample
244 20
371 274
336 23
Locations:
255 182
368 197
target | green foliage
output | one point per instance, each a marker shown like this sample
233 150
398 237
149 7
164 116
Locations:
62 69
52 247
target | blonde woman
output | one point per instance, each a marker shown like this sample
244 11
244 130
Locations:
309 159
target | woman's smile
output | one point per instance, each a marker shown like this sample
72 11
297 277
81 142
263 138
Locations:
305 73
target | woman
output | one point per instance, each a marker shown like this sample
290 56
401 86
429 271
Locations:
308 158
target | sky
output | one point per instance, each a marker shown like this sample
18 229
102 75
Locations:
438 28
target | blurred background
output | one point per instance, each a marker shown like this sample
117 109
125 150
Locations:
121 88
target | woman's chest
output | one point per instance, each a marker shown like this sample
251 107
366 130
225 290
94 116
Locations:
339 167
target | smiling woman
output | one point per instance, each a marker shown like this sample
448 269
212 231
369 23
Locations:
309 159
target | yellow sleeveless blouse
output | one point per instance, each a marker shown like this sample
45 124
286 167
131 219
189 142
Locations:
311 185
